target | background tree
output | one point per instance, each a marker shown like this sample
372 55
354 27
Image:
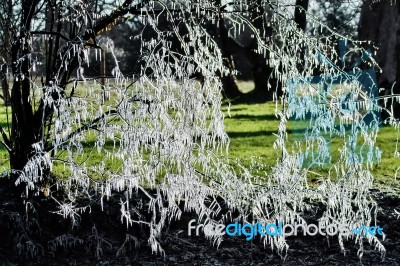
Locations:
241 45
342 16
6 8
379 24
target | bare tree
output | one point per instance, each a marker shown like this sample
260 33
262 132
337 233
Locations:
160 136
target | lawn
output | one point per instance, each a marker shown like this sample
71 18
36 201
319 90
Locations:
251 128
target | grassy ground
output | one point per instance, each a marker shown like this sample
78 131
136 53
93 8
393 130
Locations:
251 129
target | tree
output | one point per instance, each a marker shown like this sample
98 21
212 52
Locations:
266 84
236 42
5 22
342 16
384 34
158 142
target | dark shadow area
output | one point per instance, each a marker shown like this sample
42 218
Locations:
251 98
4 125
250 134
233 108
253 117
182 249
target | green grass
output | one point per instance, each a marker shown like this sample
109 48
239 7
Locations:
251 128
385 171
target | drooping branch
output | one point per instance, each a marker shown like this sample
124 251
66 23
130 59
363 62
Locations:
45 32
43 113
124 9
6 141
91 125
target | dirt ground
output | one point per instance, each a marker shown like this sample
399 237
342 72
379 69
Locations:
181 249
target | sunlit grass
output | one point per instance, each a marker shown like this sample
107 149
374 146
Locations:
251 128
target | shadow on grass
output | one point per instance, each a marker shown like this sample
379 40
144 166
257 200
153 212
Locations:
108 144
5 125
233 108
254 117
251 98
251 134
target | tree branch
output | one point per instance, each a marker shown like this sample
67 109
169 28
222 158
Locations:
6 142
124 9
51 33
97 28
88 126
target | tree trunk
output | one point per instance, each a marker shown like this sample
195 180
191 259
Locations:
300 16
4 53
231 90
22 129
265 84
262 76
380 23
103 75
